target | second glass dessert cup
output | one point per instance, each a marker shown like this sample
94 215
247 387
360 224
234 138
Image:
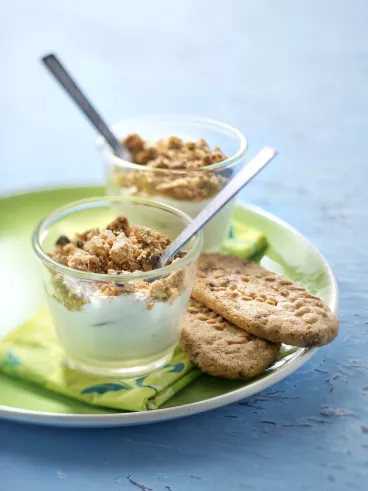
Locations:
188 190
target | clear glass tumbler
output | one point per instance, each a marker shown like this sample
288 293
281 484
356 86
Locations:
117 325
187 190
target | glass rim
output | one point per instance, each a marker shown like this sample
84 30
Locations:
74 206
229 162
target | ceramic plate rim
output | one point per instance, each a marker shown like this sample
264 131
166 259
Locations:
136 418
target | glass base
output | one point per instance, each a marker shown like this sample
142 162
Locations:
130 370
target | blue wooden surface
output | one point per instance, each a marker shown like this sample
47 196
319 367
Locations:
291 74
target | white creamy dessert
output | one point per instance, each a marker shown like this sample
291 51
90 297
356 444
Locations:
119 331
118 325
175 172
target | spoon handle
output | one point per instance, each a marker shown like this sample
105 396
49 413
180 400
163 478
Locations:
228 192
63 77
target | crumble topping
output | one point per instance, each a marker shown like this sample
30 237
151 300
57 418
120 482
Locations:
117 249
172 153
189 159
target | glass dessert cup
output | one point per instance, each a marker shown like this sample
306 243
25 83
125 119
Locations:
188 190
120 325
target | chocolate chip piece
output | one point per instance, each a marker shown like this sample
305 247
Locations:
80 244
62 240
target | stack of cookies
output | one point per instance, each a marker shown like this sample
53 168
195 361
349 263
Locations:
240 314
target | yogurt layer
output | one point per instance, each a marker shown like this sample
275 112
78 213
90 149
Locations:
111 329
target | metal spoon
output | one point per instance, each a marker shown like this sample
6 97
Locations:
224 196
63 77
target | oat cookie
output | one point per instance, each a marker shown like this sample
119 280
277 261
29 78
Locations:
262 302
220 348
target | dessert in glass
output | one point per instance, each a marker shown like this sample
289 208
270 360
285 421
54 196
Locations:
114 312
176 160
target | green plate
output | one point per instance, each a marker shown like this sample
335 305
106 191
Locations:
22 295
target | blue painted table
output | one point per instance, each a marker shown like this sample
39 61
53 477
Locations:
290 74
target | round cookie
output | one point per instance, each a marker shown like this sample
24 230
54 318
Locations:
221 349
263 303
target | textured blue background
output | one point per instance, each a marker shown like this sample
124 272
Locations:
290 74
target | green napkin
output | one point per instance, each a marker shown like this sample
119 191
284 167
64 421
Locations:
32 353
244 241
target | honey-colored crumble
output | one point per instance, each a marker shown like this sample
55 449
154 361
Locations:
189 159
172 153
62 293
117 249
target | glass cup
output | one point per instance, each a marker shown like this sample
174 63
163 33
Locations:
117 325
187 190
